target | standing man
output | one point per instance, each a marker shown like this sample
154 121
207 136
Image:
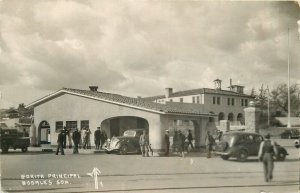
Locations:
167 141
266 152
181 139
64 134
144 144
209 141
76 136
103 137
60 141
97 136
190 140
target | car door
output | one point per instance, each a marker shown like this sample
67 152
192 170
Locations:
257 139
252 144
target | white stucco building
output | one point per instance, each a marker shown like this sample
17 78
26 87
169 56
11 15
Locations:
226 104
76 108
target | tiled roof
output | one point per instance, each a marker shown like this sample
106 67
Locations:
196 92
177 108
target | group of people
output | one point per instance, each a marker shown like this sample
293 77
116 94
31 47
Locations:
81 139
145 144
181 142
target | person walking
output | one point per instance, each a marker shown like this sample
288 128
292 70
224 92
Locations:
76 136
88 138
144 144
84 138
167 141
181 144
64 135
267 150
60 141
190 140
175 142
103 137
97 137
209 141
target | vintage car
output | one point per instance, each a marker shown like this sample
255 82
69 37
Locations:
128 143
290 134
243 144
11 138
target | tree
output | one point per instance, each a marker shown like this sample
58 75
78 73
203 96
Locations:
279 98
262 98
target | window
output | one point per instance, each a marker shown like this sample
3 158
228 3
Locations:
59 126
242 102
228 101
198 99
71 124
84 124
194 99
232 102
181 100
214 100
246 102
218 100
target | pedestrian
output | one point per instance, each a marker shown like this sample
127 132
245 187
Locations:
64 134
81 138
209 141
144 144
103 137
190 140
181 144
68 134
267 150
175 142
167 141
76 136
88 138
60 141
84 138
97 137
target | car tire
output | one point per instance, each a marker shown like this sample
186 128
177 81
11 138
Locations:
108 152
242 155
24 149
281 156
225 157
123 149
4 149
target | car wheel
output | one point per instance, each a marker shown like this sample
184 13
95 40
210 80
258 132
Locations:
242 155
4 149
281 156
108 152
24 149
124 150
225 157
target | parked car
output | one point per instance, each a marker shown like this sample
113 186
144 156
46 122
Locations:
128 143
242 145
11 138
290 134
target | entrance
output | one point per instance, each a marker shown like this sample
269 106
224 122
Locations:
44 133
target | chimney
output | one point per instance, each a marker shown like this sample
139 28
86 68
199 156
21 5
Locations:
218 84
93 88
169 92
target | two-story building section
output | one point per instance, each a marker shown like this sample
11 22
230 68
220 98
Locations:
227 104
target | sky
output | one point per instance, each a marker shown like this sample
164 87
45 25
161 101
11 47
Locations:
139 48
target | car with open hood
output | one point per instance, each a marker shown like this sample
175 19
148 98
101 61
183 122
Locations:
128 143
241 145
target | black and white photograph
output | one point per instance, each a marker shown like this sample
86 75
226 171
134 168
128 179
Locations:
149 96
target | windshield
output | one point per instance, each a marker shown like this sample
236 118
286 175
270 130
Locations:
228 138
129 133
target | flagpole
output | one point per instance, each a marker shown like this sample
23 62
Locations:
289 97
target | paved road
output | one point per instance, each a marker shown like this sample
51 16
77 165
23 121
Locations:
133 173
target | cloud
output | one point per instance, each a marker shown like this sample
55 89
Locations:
139 48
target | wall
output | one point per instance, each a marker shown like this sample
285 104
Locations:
73 108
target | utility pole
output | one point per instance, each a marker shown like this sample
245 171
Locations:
268 105
289 97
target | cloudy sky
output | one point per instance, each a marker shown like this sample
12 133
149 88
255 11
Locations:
138 48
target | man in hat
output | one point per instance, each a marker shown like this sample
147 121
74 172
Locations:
97 136
76 136
266 152
60 141
167 141
209 141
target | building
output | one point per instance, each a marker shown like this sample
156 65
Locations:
115 113
226 104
